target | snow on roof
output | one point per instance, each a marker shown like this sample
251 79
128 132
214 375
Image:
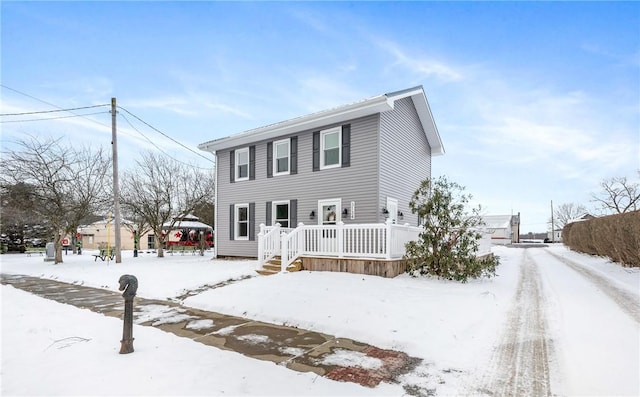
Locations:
497 221
187 225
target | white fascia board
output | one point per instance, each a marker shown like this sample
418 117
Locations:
315 120
428 124
424 113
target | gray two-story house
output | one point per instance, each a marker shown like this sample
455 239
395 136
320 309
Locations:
354 164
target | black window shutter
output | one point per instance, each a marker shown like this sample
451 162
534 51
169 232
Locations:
346 145
231 225
316 151
293 213
232 165
252 163
270 160
294 155
268 212
252 221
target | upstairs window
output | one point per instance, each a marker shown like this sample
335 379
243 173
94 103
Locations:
281 155
242 164
330 147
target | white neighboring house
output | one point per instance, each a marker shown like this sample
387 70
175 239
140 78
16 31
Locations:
556 237
505 229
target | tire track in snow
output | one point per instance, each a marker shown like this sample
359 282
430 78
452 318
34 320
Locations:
520 363
628 302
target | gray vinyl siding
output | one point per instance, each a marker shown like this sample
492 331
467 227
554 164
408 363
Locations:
405 156
358 183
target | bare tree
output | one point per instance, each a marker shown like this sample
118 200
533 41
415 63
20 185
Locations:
618 195
566 212
68 184
160 190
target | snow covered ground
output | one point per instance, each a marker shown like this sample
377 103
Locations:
592 340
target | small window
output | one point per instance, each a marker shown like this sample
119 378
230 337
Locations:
242 221
242 164
151 241
281 211
281 154
330 150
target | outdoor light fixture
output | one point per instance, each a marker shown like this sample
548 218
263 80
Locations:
345 212
400 215
312 215
384 211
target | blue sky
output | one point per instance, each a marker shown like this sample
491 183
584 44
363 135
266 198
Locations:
534 101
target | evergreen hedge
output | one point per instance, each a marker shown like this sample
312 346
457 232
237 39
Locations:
615 236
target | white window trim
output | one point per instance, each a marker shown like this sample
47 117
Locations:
275 157
236 221
237 164
274 204
323 133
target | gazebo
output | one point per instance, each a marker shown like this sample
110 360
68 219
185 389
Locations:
187 231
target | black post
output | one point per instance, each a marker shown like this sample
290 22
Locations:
135 243
128 284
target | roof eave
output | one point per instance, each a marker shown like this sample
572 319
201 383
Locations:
363 108
315 120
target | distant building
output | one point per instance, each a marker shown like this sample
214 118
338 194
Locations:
584 217
505 229
185 231
102 233
555 236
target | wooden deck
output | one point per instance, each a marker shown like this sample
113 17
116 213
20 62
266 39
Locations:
372 267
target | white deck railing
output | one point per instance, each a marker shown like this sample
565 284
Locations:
484 244
270 241
373 240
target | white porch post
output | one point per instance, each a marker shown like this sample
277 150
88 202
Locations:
284 255
261 244
301 239
340 237
388 241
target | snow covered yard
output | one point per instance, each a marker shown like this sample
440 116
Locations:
459 330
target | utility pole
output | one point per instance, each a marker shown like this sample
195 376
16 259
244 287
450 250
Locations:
116 189
553 228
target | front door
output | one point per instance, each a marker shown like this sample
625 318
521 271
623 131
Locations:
329 215
392 207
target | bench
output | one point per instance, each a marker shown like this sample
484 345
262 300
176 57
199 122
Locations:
31 252
103 254
183 248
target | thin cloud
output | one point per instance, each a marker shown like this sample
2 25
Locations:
174 104
422 67
227 109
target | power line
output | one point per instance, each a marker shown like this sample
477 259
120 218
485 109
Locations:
52 118
97 122
53 111
51 104
165 135
156 146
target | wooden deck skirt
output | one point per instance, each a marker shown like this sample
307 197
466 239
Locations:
372 267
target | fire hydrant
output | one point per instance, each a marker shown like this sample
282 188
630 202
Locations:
128 284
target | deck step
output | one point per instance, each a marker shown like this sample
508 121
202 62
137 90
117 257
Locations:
274 266
264 272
